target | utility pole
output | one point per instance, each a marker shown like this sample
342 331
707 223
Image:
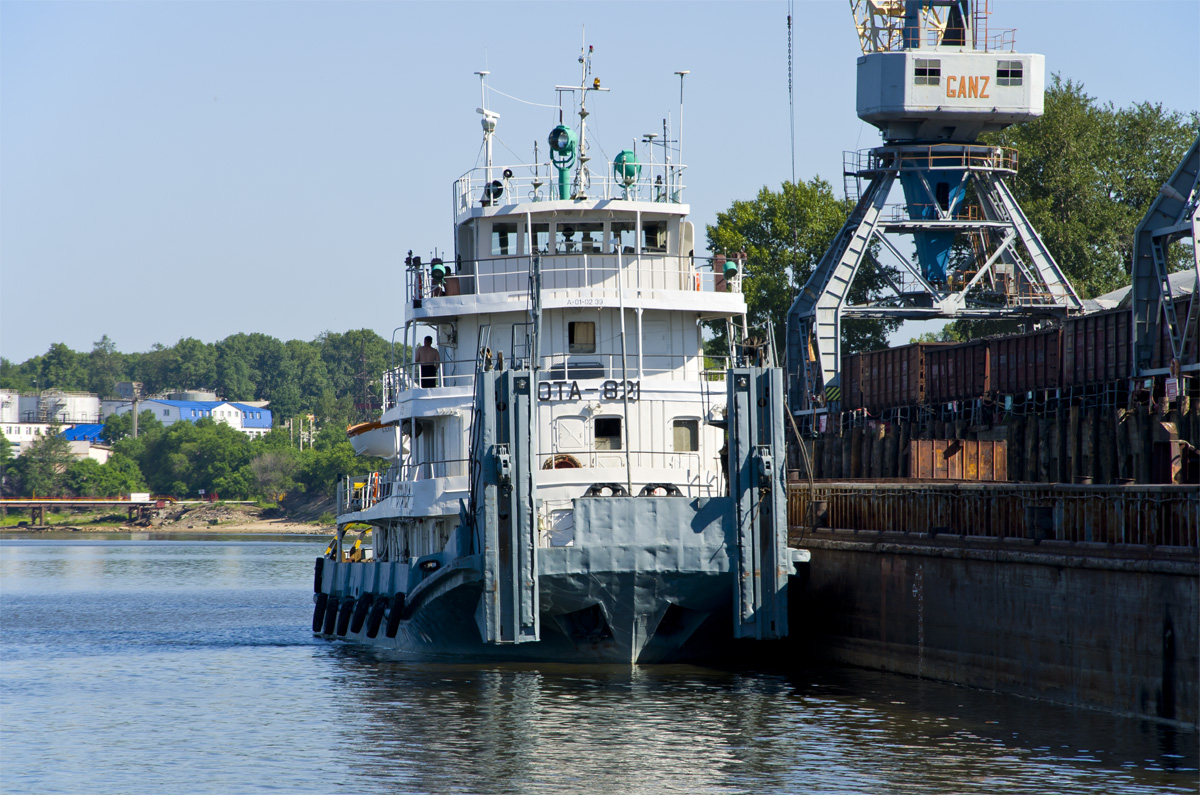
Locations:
137 393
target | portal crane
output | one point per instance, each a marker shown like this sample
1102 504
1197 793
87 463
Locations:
932 77
1173 215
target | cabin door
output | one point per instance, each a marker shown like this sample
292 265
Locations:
570 442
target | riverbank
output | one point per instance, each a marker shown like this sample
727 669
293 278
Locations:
220 518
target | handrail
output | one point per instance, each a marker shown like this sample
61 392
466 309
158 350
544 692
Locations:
532 182
453 373
1150 515
360 492
601 272
922 157
693 484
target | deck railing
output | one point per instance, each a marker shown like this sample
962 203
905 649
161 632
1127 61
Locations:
564 367
505 185
1167 516
601 273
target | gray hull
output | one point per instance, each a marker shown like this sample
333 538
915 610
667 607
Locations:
603 617
636 588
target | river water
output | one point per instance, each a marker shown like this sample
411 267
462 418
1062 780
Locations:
130 665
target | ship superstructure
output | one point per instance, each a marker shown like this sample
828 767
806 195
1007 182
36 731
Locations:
574 478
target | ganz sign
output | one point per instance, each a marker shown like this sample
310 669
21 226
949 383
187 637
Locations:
972 86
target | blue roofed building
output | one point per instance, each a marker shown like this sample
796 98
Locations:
84 433
254 418
251 420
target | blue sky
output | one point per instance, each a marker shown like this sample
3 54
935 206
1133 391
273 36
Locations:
196 169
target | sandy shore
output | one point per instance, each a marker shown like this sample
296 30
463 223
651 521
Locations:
267 526
263 527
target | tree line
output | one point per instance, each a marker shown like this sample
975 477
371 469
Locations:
333 377
184 459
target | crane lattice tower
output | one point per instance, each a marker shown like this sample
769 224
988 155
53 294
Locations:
932 77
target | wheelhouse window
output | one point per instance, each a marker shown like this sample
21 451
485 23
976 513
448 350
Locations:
581 337
578 238
927 72
541 238
1009 73
608 433
624 237
654 237
686 435
504 239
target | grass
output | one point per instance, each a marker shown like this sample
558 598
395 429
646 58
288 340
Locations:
14 517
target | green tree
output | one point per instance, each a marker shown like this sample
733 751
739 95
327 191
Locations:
5 458
193 364
62 368
87 477
16 377
322 468
273 471
311 374
1087 174
784 234
354 362
119 426
187 457
40 470
104 367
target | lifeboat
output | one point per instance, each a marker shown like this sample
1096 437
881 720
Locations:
378 439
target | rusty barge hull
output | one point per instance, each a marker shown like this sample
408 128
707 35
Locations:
1083 595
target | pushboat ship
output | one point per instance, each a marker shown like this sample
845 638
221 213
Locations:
571 477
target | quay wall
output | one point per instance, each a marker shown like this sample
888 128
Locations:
1034 612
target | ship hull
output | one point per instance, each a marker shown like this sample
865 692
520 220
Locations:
644 580
594 617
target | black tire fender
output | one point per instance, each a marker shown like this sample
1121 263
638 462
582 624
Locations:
331 614
375 618
395 614
343 619
360 612
319 611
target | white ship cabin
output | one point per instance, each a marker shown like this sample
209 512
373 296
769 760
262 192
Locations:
624 391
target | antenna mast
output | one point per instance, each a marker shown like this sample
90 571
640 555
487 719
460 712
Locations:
488 123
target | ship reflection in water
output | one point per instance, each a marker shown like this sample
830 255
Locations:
656 729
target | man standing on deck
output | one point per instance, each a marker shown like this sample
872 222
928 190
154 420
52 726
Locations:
427 357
